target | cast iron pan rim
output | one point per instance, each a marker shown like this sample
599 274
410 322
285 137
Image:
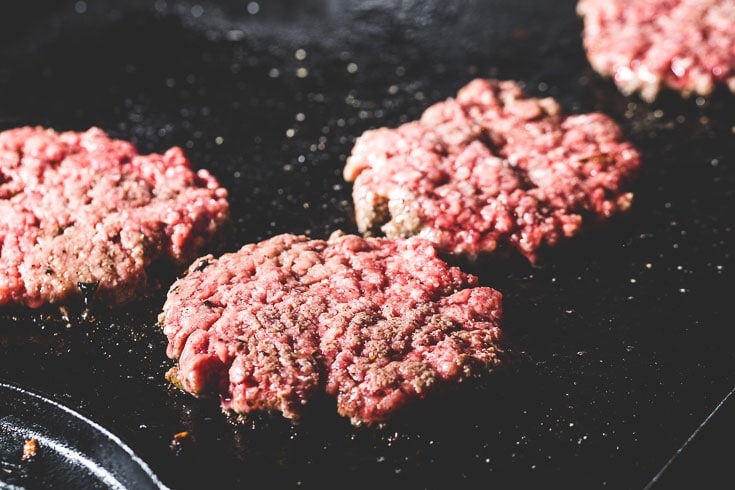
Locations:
32 412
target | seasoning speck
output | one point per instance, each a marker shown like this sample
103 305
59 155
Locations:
253 8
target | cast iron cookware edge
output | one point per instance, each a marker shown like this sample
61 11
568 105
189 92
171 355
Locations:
71 451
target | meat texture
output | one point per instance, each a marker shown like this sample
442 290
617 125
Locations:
375 322
491 170
686 45
85 217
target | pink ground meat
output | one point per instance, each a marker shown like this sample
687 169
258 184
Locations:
491 170
83 213
377 323
686 45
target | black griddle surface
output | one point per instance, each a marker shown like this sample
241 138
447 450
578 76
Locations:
625 332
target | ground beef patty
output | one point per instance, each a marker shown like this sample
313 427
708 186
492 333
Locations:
378 323
687 45
83 213
491 169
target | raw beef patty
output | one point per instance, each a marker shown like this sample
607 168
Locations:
492 169
84 216
686 45
375 322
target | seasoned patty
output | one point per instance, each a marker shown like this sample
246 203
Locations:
491 170
375 322
85 217
686 45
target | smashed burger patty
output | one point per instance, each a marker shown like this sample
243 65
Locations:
492 169
375 322
686 45
84 216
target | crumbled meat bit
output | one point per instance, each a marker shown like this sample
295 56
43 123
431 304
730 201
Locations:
178 441
30 450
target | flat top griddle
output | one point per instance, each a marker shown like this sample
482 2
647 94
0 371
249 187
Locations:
626 373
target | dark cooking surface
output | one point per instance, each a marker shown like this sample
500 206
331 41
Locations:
626 330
